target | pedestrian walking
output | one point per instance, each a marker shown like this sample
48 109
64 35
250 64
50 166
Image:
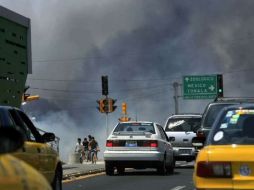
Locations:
79 149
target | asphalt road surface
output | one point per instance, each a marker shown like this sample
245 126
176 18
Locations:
136 180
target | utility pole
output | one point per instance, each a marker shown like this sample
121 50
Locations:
176 96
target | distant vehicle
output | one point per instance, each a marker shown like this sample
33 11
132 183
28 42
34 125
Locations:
181 129
213 108
226 160
36 150
15 173
139 145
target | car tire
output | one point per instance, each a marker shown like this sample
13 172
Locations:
109 169
171 167
57 182
162 169
120 170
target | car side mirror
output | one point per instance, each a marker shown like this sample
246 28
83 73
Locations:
48 137
171 139
10 140
198 142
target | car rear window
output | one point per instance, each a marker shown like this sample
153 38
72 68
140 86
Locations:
183 124
234 127
135 127
211 114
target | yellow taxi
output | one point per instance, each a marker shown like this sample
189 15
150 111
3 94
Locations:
227 158
36 150
14 173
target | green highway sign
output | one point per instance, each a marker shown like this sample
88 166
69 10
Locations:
202 86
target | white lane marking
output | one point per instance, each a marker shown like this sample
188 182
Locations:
178 188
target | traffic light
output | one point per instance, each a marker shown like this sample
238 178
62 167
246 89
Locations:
106 105
33 97
112 107
28 97
104 80
124 108
219 86
101 107
124 119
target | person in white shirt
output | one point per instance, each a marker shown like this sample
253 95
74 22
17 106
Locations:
79 149
79 146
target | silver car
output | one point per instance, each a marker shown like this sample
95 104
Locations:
181 129
138 145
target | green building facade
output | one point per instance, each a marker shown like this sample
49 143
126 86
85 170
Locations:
15 56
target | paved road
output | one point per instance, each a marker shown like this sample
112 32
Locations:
134 179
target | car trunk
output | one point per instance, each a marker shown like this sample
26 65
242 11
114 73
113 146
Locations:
242 163
131 142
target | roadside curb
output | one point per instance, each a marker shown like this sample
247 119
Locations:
78 174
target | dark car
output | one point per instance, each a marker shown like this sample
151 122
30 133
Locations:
212 110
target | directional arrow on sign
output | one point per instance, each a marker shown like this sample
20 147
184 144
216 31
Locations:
211 88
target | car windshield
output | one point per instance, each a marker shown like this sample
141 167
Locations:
134 127
214 109
183 124
234 127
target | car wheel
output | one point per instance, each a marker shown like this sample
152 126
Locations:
57 183
171 167
120 170
109 168
162 170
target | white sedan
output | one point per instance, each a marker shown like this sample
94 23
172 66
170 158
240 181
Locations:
139 145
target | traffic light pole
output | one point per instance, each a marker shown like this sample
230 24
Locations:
106 125
176 85
106 121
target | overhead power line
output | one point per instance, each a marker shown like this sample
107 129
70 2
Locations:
111 80
97 92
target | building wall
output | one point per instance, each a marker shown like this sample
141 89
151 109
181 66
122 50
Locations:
15 56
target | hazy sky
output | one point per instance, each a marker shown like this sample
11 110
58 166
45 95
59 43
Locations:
142 45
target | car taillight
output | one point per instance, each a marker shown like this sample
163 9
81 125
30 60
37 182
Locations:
214 169
109 143
153 144
200 134
150 143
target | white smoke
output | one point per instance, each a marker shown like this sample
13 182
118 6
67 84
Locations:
68 131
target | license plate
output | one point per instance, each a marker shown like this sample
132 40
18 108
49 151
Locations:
184 151
131 144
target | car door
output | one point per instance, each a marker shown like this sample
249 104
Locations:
45 154
167 146
29 152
